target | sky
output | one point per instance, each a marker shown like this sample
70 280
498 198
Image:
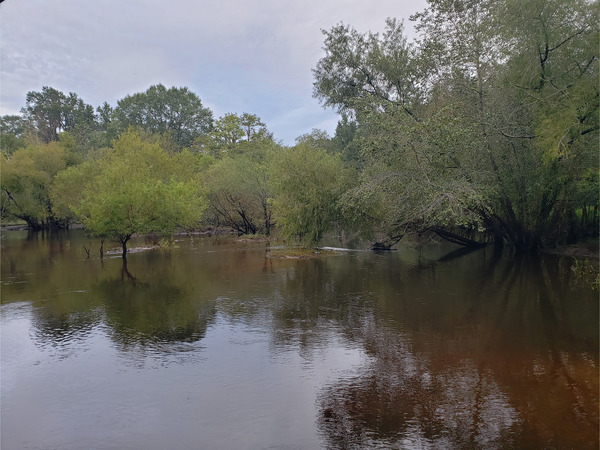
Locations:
253 56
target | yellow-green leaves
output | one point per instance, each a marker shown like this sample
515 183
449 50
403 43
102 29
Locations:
26 178
135 187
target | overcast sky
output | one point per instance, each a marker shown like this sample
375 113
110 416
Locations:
238 56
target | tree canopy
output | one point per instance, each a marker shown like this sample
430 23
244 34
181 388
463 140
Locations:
26 179
177 112
50 112
230 133
133 187
307 183
488 123
485 127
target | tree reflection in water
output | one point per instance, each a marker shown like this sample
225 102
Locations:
485 350
493 376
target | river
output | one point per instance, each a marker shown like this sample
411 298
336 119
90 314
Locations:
213 343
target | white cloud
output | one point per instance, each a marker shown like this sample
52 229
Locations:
237 55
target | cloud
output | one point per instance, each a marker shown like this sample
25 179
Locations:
238 55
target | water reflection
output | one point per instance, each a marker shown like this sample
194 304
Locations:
482 371
151 311
408 349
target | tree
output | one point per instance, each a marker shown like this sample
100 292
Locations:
460 41
551 80
51 112
365 71
345 143
133 187
174 111
239 194
224 136
27 175
253 127
489 123
12 133
228 133
307 185
318 139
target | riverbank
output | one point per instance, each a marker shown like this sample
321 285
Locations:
588 249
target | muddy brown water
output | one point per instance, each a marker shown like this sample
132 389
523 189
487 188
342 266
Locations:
214 344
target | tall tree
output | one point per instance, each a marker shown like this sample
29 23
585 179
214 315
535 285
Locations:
51 112
366 71
12 133
552 77
254 127
490 123
232 133
174 111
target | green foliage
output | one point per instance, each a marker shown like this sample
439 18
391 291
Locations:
364 71
489 122
26 178
316 139
254 128
344 142
177 112
415 175
12 134
50 112
307 185
133 187
231 134
238 195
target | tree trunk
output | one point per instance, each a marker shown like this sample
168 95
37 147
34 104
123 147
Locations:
457 239
124 240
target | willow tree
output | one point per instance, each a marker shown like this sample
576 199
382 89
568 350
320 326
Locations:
26 179
551 79
307 185
413 176
489 122
238 194
133 187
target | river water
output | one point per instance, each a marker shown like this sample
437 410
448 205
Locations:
215 344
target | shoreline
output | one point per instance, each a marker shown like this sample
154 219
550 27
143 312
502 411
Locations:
579 250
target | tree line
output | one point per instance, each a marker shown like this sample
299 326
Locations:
485 128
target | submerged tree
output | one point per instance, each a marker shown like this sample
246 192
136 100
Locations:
307 184
133 187
238 190
488 123
27 175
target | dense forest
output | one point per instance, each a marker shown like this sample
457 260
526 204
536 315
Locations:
483 129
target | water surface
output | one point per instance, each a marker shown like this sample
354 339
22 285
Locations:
215 344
